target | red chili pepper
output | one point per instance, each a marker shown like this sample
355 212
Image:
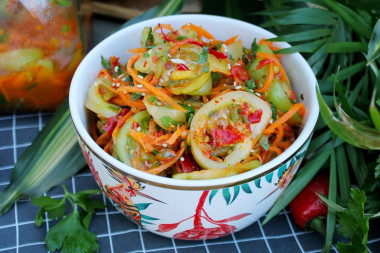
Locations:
155 59
217 54
113 121
255 117
224 136
306 207
166 37
240 72
188 164
263 62
181 66
114 62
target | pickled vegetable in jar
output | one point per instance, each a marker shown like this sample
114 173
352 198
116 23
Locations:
40 48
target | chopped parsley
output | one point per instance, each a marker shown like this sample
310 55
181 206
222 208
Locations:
274 111
135 96
168 122
203 55
105 62
254 47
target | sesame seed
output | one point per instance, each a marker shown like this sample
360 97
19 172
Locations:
169 56
252 151
159 103
161 80
234 83
149 51
106 77
140 76
271 121
138 129
143 94
124 79
113 84
119 76
182 159
178 61
257 94
118 85
116 68
238 87
139 86
164 145
125 92
237 64
229 66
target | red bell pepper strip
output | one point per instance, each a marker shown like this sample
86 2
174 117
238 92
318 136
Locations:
181 66
263 62
217 54
187 164
224 136
240 72
112 121
255 117
166 37
306 207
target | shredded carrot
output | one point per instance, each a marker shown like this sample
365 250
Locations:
127 99
144 140
152 126
200 31
174 49
104 73
268 80
137 50
164 166
108 145
285 144
166 26
176 135
264 42
103 139
161 139
150 87
283 118
231 40
133 89
275 149
279 136
276 61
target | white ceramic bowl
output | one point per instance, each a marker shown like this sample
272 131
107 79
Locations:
190 209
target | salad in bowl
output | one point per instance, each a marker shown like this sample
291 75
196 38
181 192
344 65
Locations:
189 106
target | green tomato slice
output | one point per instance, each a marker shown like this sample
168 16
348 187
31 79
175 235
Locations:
159 112
241 149
199 86
218 173
278 97
96 103
125 146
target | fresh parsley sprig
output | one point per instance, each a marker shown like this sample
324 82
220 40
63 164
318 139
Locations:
71 233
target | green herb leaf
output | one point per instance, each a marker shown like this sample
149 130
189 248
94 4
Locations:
264 142
168 122
203 55
354 224
215 75
250 84
105 62
254 47
245 120
234 116
153 99
274 111
69 235
135 96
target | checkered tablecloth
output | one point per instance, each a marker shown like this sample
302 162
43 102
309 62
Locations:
115 233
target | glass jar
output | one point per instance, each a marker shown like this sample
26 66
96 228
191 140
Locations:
41 44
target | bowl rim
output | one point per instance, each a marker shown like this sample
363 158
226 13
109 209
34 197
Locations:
171 183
